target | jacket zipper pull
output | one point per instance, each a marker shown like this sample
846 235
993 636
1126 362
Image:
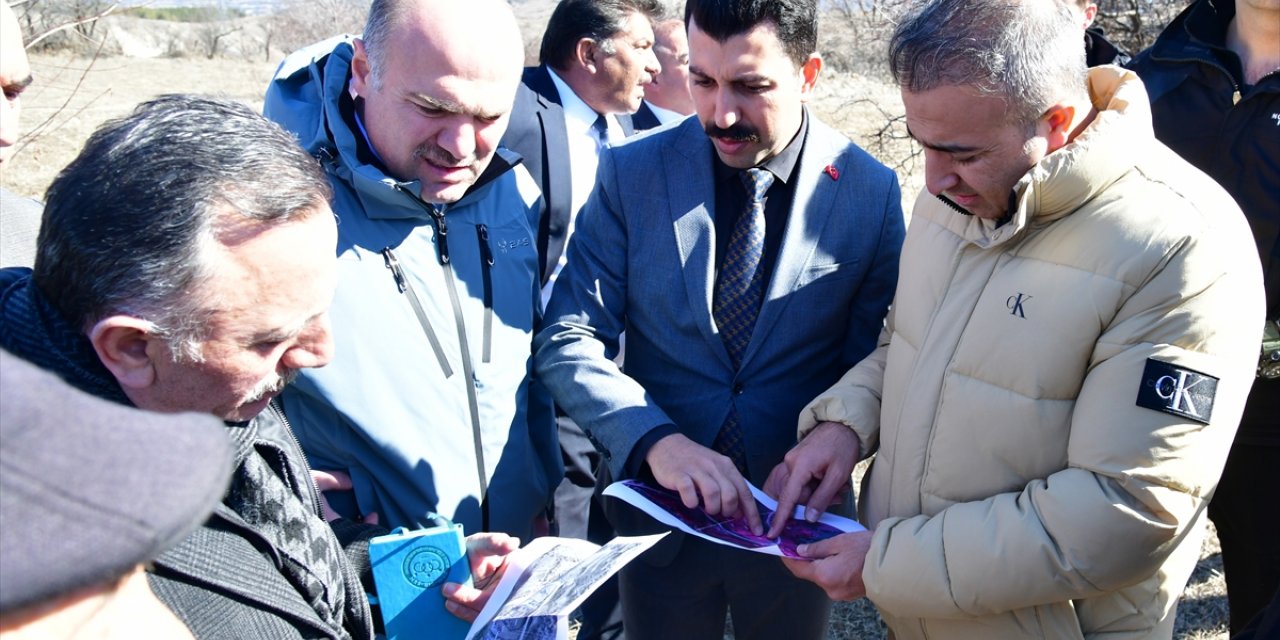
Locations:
326 157
486 254
393 264
442 235
442 227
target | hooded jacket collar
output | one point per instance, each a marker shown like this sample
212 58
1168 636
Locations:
314 97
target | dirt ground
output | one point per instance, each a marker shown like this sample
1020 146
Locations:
73 95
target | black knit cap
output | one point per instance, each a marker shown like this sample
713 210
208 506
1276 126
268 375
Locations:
89 488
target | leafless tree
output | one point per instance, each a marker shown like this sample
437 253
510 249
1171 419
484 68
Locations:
216 23
59 24
302 22
1134 24
854 37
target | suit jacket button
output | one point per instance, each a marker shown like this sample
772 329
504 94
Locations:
737 389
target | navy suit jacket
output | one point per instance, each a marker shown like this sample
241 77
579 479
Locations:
642 258
537 132
644 118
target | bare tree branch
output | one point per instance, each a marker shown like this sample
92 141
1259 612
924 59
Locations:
71 25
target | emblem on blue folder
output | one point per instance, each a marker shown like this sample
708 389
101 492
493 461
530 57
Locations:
426 567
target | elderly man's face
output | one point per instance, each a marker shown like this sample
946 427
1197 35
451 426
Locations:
269 293
439 110
15 75
622 76
973 156
748 92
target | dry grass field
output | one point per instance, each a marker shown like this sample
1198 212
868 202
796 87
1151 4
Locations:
72 95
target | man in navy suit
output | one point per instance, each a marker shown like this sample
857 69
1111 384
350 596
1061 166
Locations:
738 305
597 56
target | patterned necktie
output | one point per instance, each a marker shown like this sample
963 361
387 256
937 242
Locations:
600 131
739 292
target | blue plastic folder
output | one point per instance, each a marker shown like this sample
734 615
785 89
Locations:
409 568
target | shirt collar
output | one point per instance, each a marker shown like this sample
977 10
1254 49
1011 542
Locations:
665 116
578 115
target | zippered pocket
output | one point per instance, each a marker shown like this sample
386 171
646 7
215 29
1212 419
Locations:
486 268
405 287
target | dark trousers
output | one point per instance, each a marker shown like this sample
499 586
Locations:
1244 511
1265 625
578 515
688 598
1244 507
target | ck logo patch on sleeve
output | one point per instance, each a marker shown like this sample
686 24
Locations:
1181 392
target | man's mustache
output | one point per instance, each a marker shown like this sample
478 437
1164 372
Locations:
736 133
271 385
438 156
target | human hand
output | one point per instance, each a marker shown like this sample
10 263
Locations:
776 481
825 457
335 481
836 564
487 554
703 477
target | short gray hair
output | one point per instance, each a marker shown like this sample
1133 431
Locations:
1028 52
384 16
129 223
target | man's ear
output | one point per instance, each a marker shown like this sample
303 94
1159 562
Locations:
1056 125
124 345
361 70
1090 12
809 73
586 54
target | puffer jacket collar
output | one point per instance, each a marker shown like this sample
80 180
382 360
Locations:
1068 178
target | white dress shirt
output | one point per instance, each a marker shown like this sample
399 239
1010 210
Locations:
584 150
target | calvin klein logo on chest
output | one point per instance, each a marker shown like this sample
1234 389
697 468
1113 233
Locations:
1015 304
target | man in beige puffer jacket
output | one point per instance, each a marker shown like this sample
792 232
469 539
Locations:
1073 336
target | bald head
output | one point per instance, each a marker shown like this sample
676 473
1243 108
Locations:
15 76
435 81
448 27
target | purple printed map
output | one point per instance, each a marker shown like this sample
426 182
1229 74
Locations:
666 507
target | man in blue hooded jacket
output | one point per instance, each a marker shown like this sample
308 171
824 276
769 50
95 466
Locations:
428 405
